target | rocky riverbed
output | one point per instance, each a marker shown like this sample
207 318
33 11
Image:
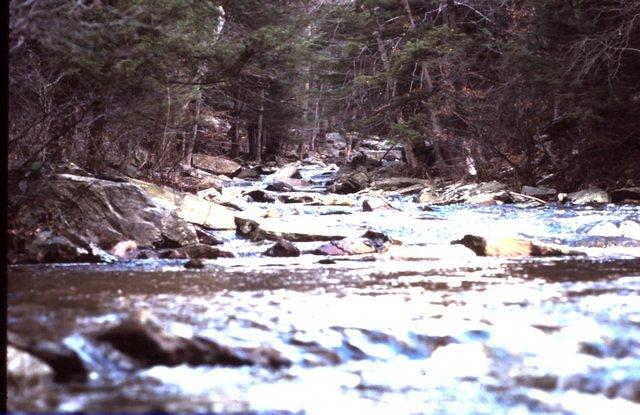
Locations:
313 289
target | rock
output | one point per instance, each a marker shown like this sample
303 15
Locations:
417 253
23 368
350 182
196 180
29 383
350 246
336 200
143 338
195 210
591 195
282 248
284 173
194 264
370 242
125 250
207 237
510 247
103 213
626 195
211 194
280 186
49 248
275 229
491 199
461 193
299 197
66 364
199 251
216 165
544 193
395 183
248 173
371 204
261 196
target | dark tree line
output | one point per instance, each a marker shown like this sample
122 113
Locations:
527 89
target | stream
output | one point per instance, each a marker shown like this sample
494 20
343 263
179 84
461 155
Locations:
367 334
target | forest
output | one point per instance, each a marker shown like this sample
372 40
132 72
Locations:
528 91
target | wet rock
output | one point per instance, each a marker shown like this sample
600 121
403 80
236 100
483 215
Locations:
29 381
370 242
196 180
349 246
23 368
371 204
103 213
460 193
66 364
211 194
261 196
49 248
491 199
280 186
544 193
336 200
543 382
208 237
626 195
249 173
215 165
282 248
284 173
510 247
592 195
628 389
301 198
275 229
194 263
199 251
395 183
418 253
125 250
352 182
143 338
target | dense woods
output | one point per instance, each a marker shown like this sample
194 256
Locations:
534 91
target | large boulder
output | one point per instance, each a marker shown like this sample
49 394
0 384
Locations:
350 182
215 165
87 214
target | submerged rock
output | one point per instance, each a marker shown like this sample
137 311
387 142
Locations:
216 165
143 338
282 248
510 247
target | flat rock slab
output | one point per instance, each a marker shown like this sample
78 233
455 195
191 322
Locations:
216 165
274 229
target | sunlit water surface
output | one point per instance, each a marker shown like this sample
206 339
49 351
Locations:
463 335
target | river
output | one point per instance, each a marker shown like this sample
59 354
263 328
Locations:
372 334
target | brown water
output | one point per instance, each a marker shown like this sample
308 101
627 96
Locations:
446 335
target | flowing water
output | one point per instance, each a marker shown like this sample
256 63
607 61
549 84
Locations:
448 334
